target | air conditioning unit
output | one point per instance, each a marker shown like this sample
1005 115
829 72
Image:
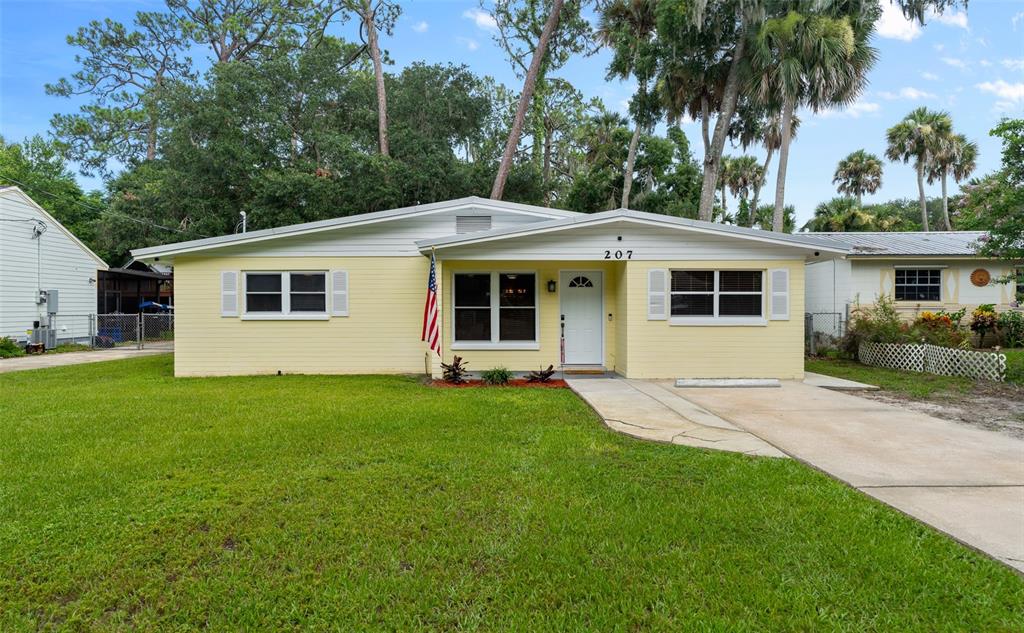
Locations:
42 335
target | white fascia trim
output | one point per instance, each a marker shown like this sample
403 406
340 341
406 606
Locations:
307 228
606 217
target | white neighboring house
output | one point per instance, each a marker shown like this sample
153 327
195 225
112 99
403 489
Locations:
37 254
919 271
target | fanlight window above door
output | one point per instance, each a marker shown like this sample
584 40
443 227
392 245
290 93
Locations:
581 282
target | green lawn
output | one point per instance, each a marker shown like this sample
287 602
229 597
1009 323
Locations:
919 385
1015 365
130 499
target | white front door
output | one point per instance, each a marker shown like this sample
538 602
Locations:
582 319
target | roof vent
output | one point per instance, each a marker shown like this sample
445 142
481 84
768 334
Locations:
472 223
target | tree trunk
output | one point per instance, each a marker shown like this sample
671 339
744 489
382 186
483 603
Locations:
524 100
713 158
920 193
945 204
546 168
860 200
378 71
627 181
758 185
779 216
725 207
151 139
704 114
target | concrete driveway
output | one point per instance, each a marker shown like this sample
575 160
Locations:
964 481
43 361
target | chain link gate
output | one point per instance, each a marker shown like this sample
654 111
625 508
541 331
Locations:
118 330
823 330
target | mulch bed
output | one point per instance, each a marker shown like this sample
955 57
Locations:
516 382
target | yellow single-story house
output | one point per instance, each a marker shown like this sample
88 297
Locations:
518 286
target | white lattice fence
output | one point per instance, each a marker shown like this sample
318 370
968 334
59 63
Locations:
947 361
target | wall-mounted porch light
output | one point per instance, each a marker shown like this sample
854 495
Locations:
552 286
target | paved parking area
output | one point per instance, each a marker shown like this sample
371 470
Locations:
962 480
42 361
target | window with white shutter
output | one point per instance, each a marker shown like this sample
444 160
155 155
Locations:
339 292
780 294
657 295
229 293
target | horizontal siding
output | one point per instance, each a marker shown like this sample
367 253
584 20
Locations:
827 286
657 349
380 335
873 278
645 242
54 261
394 238
549 334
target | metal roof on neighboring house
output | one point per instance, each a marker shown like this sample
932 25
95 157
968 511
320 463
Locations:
911 243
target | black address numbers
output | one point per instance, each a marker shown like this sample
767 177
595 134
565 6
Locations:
618 254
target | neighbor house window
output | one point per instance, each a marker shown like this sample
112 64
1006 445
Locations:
288 293
724 294
918 284
495 307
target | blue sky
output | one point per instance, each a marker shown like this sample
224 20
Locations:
969 64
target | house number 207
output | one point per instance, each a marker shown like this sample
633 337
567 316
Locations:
618 254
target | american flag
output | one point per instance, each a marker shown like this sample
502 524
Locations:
431 328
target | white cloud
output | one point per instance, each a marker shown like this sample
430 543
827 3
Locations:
1008 94
1014 64
955 62
854 110
481 18
949 18
420 27
985 63
907 93
1017 19
468 42
930 76
894 26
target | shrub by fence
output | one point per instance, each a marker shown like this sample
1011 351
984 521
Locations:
934 359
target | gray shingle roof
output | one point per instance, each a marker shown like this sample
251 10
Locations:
953 243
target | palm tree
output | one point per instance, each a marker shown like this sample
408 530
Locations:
818 59
917 138
724 177
857 174
744 173
954 156
768 132
840 215
628 27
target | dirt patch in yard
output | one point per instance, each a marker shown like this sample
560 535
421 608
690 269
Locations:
991 406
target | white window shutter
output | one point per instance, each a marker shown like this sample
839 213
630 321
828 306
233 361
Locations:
657 294
780 294
339 292
229 293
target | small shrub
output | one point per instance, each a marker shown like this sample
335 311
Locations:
541 375
1011 328
497 376
984 320
9 348
879 323
454 372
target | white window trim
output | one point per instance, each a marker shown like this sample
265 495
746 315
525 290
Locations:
496 343
285 314
942 284
716 320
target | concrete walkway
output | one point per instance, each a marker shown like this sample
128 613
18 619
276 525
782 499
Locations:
839 384
42 361
964 481
655 411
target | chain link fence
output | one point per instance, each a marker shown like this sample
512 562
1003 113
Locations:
822 330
